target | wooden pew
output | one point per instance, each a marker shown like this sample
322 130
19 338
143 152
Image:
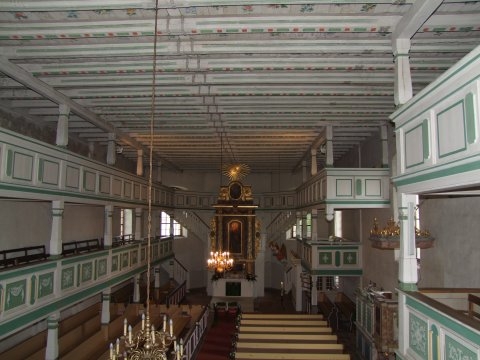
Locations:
472 301
25 255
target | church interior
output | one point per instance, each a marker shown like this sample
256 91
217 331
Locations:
306 172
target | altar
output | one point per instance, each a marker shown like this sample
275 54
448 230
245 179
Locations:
233 288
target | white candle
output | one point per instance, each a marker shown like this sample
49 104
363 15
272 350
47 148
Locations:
181 347
111 351
164 323
125 327
117 347
171 327
153 334
130 334
143 321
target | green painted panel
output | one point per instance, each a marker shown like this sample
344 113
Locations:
9 163
325 258
68 277
349 258
337 258
114 263
87 271
435 342
470 117
134 257
358 187
418 336
45 284
102 267
15 294
455 351
33 284
124 260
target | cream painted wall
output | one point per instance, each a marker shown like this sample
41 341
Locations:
24 223
454 259
82 222
191 252
379 266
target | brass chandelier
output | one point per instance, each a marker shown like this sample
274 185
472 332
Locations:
147 342
220 261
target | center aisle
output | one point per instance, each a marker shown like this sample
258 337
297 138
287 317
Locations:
218 341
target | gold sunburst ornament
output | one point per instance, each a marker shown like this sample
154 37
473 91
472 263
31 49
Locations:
236 171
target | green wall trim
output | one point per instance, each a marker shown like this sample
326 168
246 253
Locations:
68 300
407 286
470 117
8 274
79 258
340 272
456 327
446 170
33 190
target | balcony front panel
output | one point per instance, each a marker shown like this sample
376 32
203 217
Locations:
32 169
28 294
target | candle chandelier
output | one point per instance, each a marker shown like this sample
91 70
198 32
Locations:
147 342
220 261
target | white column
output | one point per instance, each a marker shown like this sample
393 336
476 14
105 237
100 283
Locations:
159 171
140 162
51 352
384 138
304 171
111 149
136 289
403 79
157 276
172 231
408 273
329 136
304 224
105 307
138 223
91 150
313 152
108 229
57 228
314 224
62 125
298 215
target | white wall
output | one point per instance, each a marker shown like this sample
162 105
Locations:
24 223
83 222
454 259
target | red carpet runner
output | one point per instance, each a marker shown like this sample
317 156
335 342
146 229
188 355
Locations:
218 341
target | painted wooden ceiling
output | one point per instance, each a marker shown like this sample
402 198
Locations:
263 78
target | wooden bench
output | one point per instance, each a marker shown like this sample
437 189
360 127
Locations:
346 310
472 301
14 257
79 247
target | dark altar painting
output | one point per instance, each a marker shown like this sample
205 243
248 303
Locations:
235 232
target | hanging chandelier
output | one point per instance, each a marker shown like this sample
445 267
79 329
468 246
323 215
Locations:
147 342
220 261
